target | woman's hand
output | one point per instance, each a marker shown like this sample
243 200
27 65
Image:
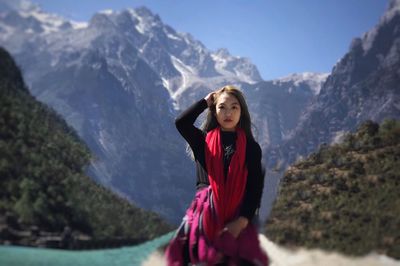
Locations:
235 227
210 98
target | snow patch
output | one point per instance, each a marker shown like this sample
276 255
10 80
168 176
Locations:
314 80
79 25
49 22
188 74
171 36
166 84
222 58
145 22
106 12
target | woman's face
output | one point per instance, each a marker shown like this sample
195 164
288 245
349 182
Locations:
227 111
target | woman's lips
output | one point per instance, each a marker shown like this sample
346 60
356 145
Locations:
228 120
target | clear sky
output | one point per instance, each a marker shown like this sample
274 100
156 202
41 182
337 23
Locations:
279 36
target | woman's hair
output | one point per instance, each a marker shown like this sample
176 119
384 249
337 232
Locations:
211 120
245 122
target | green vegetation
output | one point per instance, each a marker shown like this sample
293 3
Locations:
42 163
345 197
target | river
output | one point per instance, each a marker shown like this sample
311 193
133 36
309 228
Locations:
132 256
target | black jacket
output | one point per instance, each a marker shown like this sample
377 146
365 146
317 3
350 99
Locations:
196 139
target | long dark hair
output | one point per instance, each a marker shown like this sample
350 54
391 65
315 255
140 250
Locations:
211 121
245 121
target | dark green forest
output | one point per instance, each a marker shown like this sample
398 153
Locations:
42 173
344 197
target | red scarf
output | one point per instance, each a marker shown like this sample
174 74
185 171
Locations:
227 192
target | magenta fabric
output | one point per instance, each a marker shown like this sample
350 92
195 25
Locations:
201 250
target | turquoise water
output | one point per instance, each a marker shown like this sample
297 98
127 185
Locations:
133 256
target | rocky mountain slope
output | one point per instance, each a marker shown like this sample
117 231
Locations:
44 187
363 85
121 78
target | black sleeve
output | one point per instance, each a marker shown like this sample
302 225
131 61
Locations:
185 124
255 182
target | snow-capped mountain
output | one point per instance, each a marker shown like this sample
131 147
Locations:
179 59
25 18
313 80
120 79
276 105
364 84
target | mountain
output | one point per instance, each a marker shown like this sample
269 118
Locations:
363 85
120 79
344 197
44 187
276 105
97 79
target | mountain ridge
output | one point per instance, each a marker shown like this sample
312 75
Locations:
45 192
121 89
363 85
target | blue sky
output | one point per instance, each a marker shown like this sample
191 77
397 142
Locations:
279 36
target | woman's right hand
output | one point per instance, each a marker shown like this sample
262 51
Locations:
210 98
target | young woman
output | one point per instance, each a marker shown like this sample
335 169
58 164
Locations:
217 228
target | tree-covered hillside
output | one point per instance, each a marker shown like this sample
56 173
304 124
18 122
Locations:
43 184
345 197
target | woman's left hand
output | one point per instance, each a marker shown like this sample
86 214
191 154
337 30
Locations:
235 227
